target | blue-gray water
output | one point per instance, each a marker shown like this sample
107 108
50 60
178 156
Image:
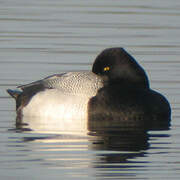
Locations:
40 38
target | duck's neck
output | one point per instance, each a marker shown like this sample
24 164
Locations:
128 84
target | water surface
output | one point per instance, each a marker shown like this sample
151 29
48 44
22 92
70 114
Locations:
40 38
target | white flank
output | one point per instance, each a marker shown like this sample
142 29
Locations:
54 110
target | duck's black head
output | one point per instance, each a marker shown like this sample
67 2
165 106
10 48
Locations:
116 66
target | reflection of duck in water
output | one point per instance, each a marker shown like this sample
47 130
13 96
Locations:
115 94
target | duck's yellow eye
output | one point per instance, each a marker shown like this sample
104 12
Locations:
107 68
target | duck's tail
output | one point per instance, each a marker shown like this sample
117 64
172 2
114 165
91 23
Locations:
14 93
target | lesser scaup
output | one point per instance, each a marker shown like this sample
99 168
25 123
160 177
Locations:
117 89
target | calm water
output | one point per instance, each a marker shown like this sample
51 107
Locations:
40 38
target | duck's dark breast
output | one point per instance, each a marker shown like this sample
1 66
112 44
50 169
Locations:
118 108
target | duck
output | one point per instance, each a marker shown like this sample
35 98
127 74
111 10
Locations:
115 93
